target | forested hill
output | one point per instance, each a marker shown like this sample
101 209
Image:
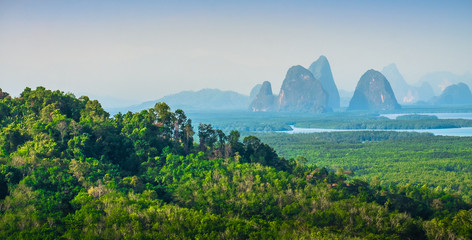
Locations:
70 171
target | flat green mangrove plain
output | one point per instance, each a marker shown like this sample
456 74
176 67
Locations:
443 163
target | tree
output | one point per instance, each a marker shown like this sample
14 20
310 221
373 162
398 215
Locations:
165 118
62 128
179 123
183 130
207 136
235 145
221 142
256 151
188 136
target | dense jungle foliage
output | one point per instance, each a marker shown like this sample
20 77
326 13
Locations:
70 171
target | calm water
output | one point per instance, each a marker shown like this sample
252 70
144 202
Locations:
457 132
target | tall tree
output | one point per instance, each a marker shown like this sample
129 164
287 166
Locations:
165 118
207 136
221 142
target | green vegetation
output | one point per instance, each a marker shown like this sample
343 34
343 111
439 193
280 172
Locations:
399 158
416 117
267 122
383 123
69 171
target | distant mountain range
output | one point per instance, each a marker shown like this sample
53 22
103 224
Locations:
430 85
303 90
202 100
314 90
439 81
264 100
405 93
455 94
322 71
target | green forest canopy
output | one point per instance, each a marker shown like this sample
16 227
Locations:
70 171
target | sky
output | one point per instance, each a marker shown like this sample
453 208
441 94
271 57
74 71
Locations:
127 52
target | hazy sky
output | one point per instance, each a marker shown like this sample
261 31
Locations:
143 50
